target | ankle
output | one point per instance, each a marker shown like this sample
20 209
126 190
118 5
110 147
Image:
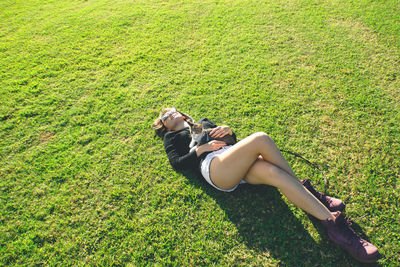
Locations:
327 217
331 216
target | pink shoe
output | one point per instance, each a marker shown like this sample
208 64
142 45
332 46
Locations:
333 204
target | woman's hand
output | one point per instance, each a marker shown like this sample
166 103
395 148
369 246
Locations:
211 146
220 131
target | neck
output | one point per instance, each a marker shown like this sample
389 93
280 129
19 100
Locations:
181 125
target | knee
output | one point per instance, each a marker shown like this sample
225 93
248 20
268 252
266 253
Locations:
270 173
274 171
279 176
262 137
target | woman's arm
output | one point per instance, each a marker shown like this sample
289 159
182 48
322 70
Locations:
178 161
228 129
211 124
230 132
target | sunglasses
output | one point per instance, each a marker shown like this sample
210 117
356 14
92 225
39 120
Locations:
166 115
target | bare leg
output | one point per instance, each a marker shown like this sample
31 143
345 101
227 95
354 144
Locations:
275 157
242 162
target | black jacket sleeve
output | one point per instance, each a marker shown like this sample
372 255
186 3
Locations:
178 160
234 136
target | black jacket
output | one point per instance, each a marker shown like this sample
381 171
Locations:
176 145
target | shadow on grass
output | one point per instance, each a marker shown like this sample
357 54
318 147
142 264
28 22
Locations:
268 226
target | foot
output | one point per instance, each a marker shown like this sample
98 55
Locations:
333 204
340 233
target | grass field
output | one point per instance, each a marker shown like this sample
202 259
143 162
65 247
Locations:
84 179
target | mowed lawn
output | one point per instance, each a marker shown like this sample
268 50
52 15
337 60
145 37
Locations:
85 180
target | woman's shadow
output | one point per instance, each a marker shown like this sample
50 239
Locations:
268 226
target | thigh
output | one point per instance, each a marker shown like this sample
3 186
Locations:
264 172
229 168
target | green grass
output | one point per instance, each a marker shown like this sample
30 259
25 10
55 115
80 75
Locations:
84 180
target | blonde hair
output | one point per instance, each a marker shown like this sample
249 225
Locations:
159 126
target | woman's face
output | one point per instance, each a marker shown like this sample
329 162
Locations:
172 120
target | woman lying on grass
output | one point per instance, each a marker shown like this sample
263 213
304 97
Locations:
255 160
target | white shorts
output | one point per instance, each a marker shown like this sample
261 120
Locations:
205 168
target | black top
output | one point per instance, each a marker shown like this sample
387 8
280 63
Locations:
176 145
